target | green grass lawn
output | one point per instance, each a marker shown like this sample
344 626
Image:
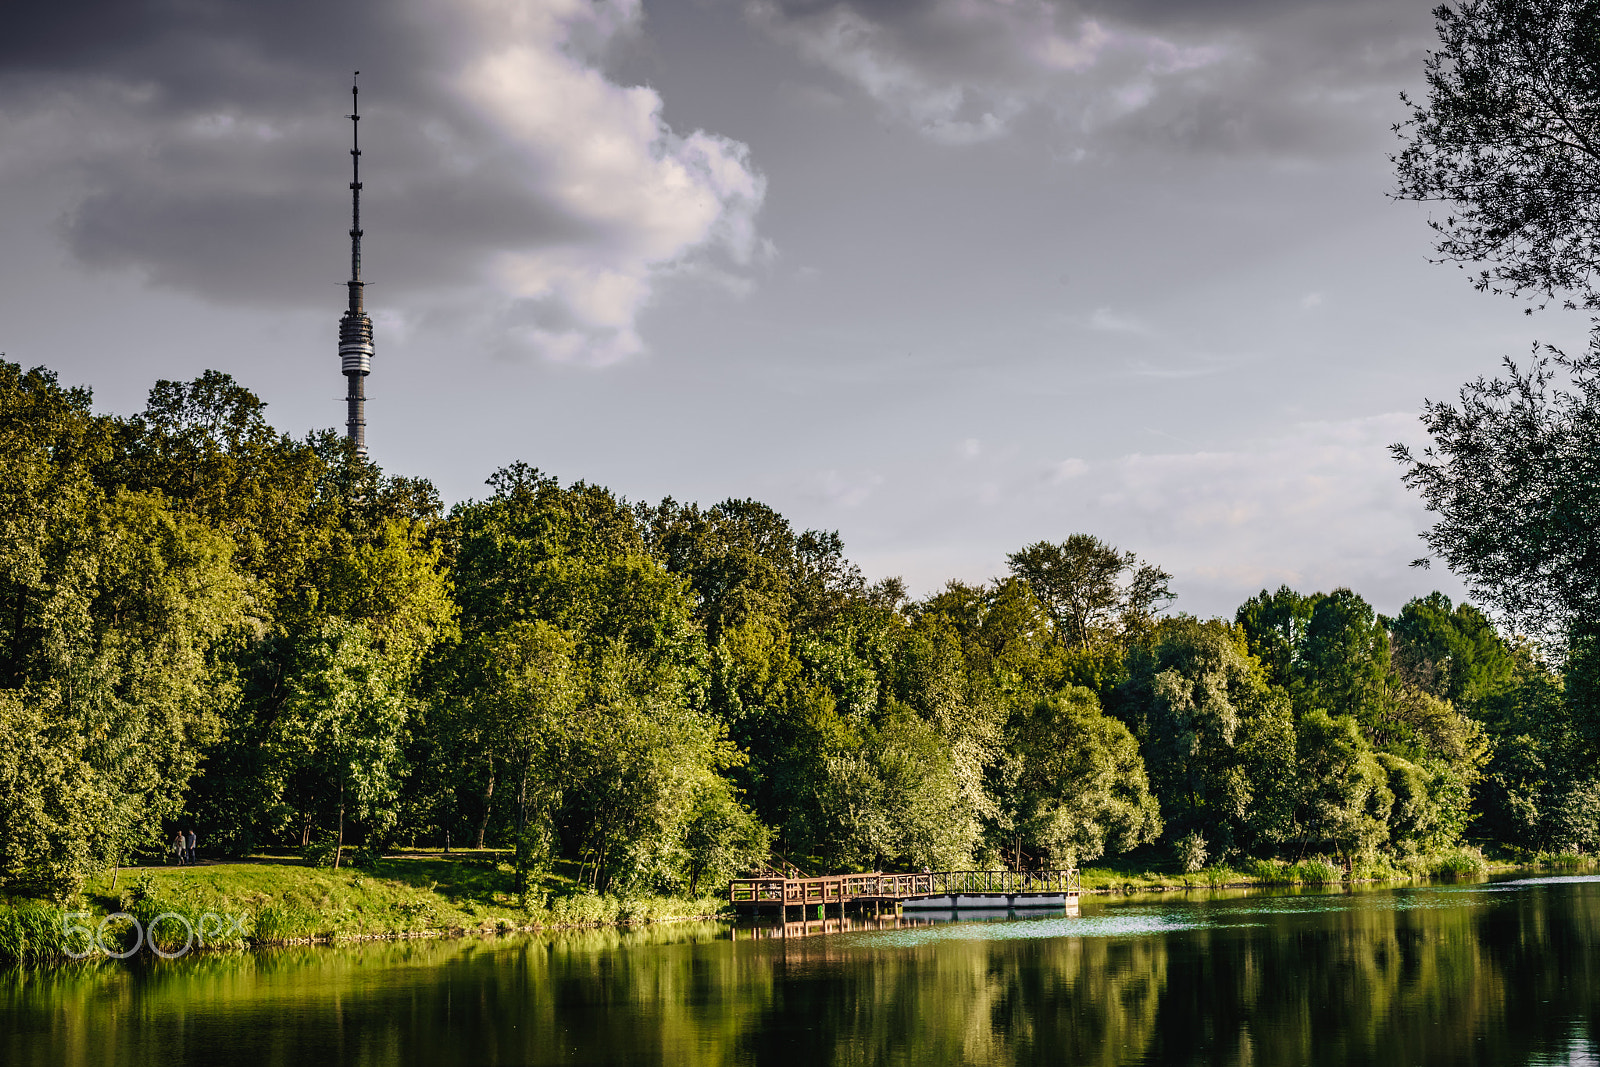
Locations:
272 900
286 900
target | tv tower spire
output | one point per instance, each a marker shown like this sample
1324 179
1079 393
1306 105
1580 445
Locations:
355 329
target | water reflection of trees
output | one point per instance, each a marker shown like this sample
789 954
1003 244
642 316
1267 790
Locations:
1476 977
1426 977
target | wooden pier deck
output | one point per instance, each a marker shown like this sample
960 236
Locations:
874 891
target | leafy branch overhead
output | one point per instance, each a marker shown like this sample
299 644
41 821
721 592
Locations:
1513 476
1508 139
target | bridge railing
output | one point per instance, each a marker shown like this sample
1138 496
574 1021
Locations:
839 888
757 890
955 882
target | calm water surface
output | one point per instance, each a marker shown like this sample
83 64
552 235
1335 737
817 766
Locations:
1500 973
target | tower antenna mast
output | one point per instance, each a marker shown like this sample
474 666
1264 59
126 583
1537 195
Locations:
355 328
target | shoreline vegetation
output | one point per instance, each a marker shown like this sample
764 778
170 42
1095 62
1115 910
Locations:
314 666
270 902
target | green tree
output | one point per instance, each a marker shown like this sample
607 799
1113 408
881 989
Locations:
723 838
384 579
1389 675
1345 657
1091 590
530 695
1510 477
206 446
117 616
1452 651
1508 138
1274 626
342 727
931 677
780 609
1194 698
1007 637
117 611
318 533
642 759
628 761
1345 799
1539 781
895 801
1265 751
1078 788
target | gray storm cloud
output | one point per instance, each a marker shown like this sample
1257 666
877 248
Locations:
1220 77
205 148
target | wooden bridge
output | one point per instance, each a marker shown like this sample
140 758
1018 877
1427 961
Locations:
938 890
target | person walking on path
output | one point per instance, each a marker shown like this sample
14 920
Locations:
179 845
191 847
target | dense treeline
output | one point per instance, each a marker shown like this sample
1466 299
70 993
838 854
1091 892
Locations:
208 623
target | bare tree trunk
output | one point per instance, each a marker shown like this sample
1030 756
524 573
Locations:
522 801
488 801
522 836
600 871
338 845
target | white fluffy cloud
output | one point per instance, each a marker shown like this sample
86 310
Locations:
510 181
643 196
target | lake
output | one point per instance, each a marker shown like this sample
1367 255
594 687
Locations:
1498 972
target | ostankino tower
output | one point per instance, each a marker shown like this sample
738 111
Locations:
355 329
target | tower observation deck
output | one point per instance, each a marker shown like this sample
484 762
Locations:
355 328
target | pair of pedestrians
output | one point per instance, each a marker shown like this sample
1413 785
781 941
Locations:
183 846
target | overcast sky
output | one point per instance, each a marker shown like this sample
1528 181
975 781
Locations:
948 276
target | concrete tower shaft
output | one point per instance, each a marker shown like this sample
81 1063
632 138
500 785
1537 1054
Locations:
355 328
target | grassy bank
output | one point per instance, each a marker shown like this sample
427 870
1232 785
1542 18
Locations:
267 901
1134 876
278 901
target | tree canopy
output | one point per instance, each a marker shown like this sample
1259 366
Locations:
209 624
1513 478
1508 139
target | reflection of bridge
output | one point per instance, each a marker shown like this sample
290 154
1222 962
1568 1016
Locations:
939 890
813 927
791 929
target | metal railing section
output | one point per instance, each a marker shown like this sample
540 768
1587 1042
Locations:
839 888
